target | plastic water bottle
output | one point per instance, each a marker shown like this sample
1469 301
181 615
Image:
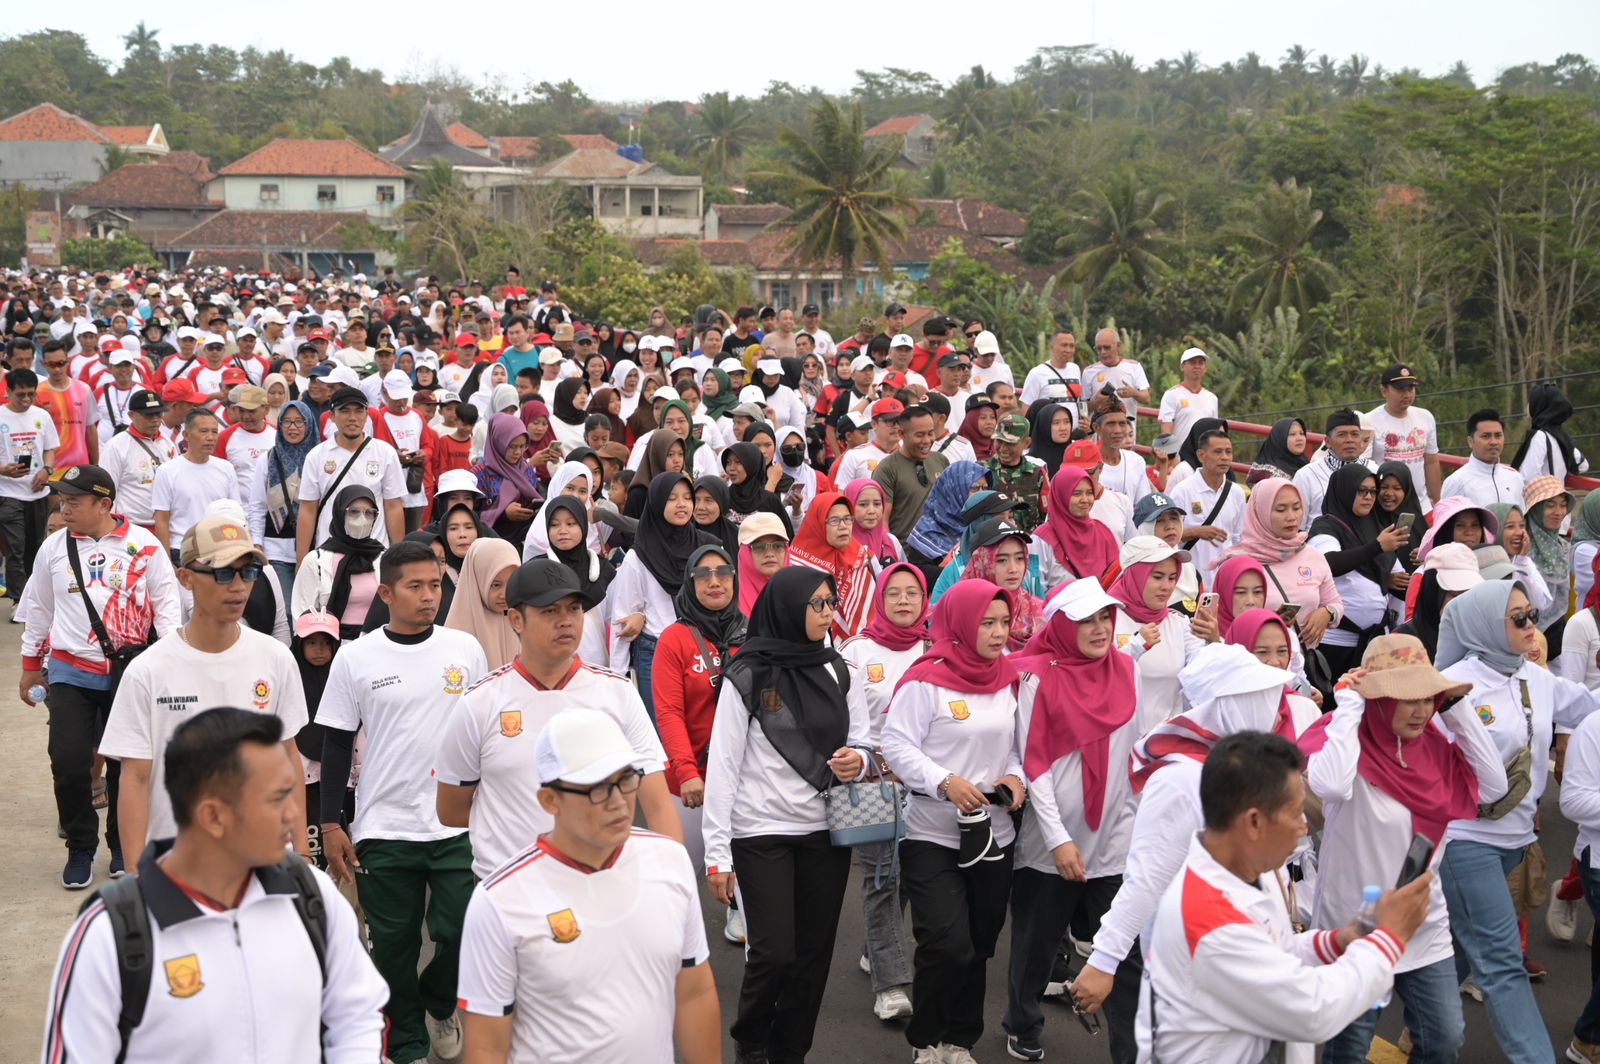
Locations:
36 694
1367 922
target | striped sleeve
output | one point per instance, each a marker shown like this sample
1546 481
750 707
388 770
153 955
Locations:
85 994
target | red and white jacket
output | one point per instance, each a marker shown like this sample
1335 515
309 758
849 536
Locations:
1228 976
129 579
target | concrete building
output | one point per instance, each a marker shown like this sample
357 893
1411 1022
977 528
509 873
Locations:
917 136
154 201
50 149
312 175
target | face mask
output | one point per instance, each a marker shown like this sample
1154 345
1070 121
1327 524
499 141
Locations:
359 526
630 348
792 456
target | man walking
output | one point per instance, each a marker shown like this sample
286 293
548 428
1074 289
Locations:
907 475
183 489
350 457
399 685
28 444
1061 368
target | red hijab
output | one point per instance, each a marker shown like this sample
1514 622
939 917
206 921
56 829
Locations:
1226 580
530 411
1244 632
982 446
1081 701
1128 590
850 567
1082 544
951 661
881 629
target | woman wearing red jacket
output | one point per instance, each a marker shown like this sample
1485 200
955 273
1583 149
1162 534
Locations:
690 656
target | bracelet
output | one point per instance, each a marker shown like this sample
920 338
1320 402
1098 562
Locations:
943 790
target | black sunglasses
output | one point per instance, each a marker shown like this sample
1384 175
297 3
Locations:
1524 618
250 572
922 475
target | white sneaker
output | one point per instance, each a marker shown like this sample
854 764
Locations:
927 1055
1561 919
1471 989
733 927
956 1054
891 1005
1084 949
444 1036
864 964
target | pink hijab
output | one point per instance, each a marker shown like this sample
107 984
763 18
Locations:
1244 632
951 662
1258 540
877 539
750 579
881 629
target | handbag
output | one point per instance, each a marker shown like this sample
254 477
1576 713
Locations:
1519 770
868 810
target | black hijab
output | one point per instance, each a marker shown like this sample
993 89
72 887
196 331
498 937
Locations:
665 548
1338 519
1275 452
724 628
356 556
563 408
454 563
1424 622
1044 448
594 573
1189 450
725 530
779 656
1548 410
793 370
314 680
749 495
1408 505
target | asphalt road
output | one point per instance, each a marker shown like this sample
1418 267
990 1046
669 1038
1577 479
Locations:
35 912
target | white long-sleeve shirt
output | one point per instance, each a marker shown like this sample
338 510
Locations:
1366 832
1497 700
874 671
1160 694
1226 976
1054 813
1580 787
1580 651
932 731
1484 484
750 788
255 512
635 591
1545 459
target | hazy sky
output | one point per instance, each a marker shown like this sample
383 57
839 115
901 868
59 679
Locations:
629 49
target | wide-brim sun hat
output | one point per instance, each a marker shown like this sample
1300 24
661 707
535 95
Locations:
1397 666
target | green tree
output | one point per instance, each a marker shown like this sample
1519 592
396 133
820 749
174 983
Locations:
845 206
93 254
1119 223
726 126
1284 272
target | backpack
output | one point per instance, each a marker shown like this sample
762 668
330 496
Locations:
130 930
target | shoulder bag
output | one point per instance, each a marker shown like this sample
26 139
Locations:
1222 498
333 488
117 658
1519 770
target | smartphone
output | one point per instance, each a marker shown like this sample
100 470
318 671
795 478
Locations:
1208 601
1416 862
1288 611
1405 521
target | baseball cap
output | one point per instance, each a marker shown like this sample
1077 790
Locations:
895 379
233 375
1143 550
1013 428
217 541
83 480
397 385
540 582
980 402
213 340
771 366
582 336
951 361
936 403
861 362
1166 443
1399 374
316 622
902 340
109 343
248 396
551 356
996 529
321 371
680 364
144 401
244 330
317 334
760 525
1191 354
749 410
1081 599
448 397
179 391
457 480
583 746
889 408
731 365
851 421
122 357
985 343
466 340
893 309
1455 566
347 396
1152 506
1493 561
1084 454
810 308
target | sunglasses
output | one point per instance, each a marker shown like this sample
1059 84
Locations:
971 335
1524 618
721 572
821 605
922 475
250 572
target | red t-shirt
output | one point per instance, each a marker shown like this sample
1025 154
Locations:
686 704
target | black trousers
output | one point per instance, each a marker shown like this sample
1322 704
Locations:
791 890
22 523
77 719
1043 906
956 916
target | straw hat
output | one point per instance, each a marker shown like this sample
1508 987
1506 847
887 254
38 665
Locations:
1397 666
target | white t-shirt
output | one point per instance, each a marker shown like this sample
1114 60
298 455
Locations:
452 376
401 694
1183 408
1197 499
185 488
244 450
113 405
406 431
585 961
173 682
131 461
1125 374
1043 375
489 741
377 467
1405 439
859 462
24 438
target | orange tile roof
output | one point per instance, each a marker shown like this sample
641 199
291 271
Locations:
517 147
131 136
974 215
312 158
196 166
750 213
465 136
898 126
582 141
229 229
154 184
49 122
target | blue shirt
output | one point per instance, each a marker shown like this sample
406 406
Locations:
516 361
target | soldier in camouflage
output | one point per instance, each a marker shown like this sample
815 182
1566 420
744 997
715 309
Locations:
1016 475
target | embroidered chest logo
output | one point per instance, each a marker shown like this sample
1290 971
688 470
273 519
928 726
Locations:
1486 714
874 673
1196 509
959 710
329 466
1122 640
183 976
511 723
455 679
261 694
372 468
564 926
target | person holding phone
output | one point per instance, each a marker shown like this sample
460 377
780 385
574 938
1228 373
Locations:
1387 772
1297 575
1361 554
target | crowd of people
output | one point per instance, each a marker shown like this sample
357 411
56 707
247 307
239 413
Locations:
532 635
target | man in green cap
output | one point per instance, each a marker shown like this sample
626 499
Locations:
1018 474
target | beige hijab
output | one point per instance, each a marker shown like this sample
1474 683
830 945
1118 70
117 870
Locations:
485 560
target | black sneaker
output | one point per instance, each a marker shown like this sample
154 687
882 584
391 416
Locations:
1023 1049
79 872
118 869
743 1054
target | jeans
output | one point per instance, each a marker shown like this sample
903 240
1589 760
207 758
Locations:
286 572
77 718
1587 1028
882 909
22 523
1432 1001
1485 926
643 656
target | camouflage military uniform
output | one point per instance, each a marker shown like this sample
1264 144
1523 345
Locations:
1026 483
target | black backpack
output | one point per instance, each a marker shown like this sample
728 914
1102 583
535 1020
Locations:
130 930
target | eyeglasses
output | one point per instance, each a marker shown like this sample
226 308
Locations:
1366 493
823 605
601 793
1524 619
768 548
972 335
250 572
291 422
840 522
720 572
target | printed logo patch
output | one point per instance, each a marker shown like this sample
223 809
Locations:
455 679
261 694
874 673
771 701
564 926
183 976
1122 640
329 466
1196 509
1486 714
959 710
511 723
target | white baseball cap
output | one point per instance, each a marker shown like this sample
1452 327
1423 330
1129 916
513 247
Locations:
584 746
1140 550
770 366
551 356
731 365
682 362
1192 354
397 385
122 357
861 362
752 393
1080 600
986 344
902 340
650 343
245 330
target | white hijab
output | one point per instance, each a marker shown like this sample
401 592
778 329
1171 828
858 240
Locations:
537 545
619 378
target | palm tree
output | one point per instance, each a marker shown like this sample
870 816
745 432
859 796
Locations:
1283 271
141 41
968 103
724 132
1295 59
1119 223
846 206
1352 75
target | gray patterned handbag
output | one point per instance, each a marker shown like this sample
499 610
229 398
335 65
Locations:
867 810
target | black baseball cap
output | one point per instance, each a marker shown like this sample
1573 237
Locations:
83 480
541 582
347 396
810 308
1399 374
996 529
145 401
892 309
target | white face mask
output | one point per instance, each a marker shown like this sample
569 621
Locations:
630 348
359 526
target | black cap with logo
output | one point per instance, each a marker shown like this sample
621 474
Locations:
541 582
145 401
83 480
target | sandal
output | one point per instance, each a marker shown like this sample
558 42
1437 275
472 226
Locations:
99 795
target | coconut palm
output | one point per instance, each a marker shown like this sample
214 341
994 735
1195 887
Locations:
846 205
1283 272
725 128
1120 223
